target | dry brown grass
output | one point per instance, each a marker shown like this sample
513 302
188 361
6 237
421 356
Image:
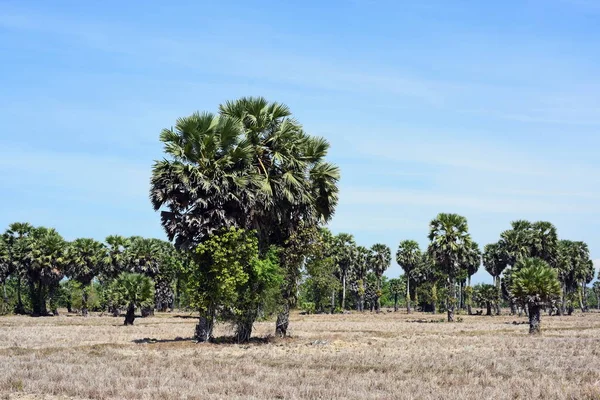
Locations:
385 356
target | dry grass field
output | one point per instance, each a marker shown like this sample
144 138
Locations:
385 356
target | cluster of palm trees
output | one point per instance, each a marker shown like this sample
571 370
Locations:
251 166
39 262
527 256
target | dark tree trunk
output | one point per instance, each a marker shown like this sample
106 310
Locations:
283 320
499 288
378 294
563 302
489 308
469 309
361 302
204 329
535 327
4 298
395 302
84 301
244 327
114 310
344 292
513 308
130 316
19 309
41 299
408 310
35 310
451 300
147 312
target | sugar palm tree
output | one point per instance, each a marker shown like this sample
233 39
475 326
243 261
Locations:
408 257
381 257
450 243
133 290
534 284
397 286
252 167
486 295
495 262
298 187
360 269
86 259
344 252
116 261
544 241
206 182
4 272
18 241
596 289
47 266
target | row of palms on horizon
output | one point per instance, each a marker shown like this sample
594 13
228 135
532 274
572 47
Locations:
244 196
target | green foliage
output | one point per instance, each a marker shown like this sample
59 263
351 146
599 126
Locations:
534 282
86 259
450 243
131 289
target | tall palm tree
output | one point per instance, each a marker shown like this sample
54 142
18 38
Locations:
47 266
450 243
495 262
535 284
4 272
252 167
360 269
471 265
596 290
344 253
207 182
408 257
544 242
116 261
381 257
18 240
298 187
86 259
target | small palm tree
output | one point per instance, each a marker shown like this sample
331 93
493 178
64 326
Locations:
486 295
132 290
534 284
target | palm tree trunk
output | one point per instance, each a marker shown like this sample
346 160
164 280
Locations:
580 295
598 302
4 298
499 288
408 310
35 303
332 301
395 301
130 316
585 306
434 297
451 300
84 301
42 301
378 294
489 308
344 292
535 325
20 309
563 310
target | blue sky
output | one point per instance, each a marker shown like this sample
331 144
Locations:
487 109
